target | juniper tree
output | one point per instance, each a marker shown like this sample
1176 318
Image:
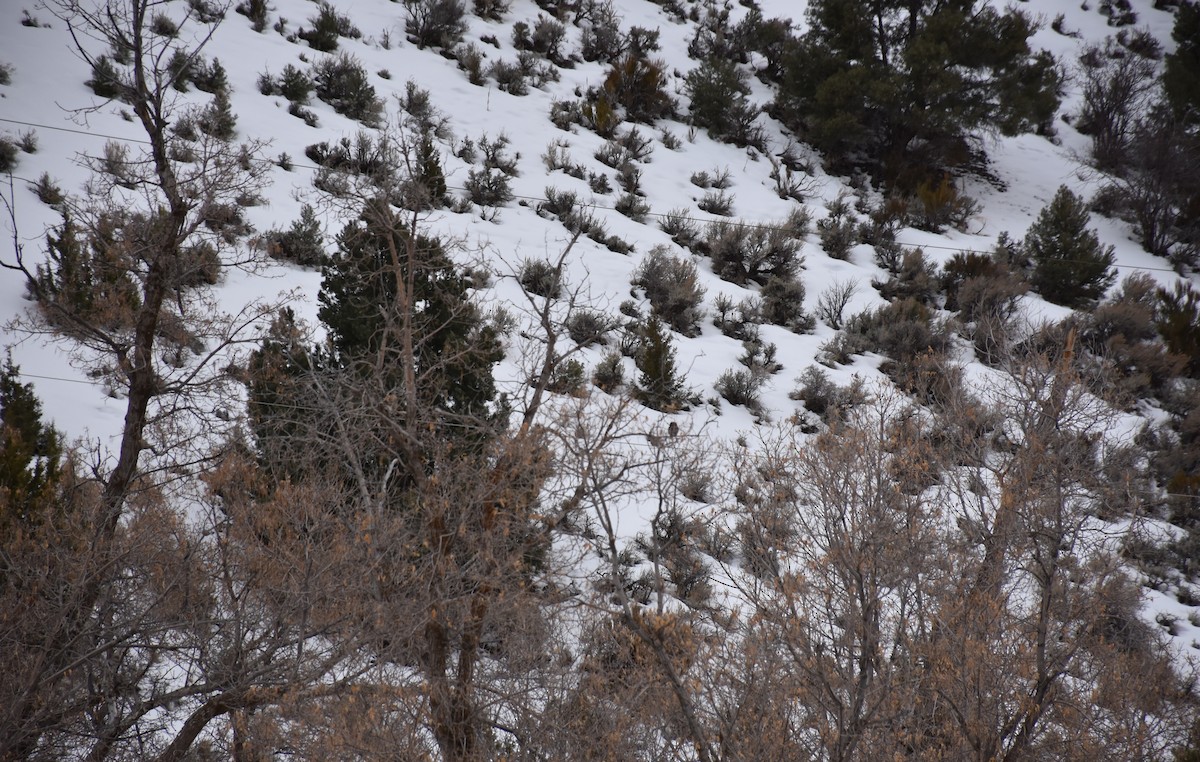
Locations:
1070 266
30 456
659 385
901 86
1181 73
718 90
386 282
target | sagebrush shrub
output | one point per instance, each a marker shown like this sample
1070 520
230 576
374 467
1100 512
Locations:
838 230
824 398
739 321
587 327
672 288
633 206
601 38
962 267
435 23
940 204
901 330
741 387
678 224
344 84
743 252
783 303
8 155
48 191
719 203
493 10
638 85
538 276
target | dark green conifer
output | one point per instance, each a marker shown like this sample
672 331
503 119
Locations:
1181 72
381 271
1070 266
218 119
900 85
1177 318
718 91
659 385
430 177
30 455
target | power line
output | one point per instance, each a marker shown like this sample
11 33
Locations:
307 408
89 133
751 224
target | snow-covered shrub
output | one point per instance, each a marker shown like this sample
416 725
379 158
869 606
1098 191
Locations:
838 231
824 398
741 387
672 287
738 321
718 202
678 224
327 26
435 23
743 252
587 327
344 84
601 39
609 374
493 10
639 86
8 154
783 303
538 276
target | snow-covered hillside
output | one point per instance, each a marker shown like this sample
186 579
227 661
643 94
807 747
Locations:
49 97
49 105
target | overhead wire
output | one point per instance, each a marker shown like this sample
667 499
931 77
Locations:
632 442
750 224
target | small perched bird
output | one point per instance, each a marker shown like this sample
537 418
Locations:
673 430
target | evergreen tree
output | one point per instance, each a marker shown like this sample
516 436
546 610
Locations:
1070 266
29 455
430 176
217 119
1181 73
900 85
276 410
1178 321
86 278
302 243
718 91
659 385
384 281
